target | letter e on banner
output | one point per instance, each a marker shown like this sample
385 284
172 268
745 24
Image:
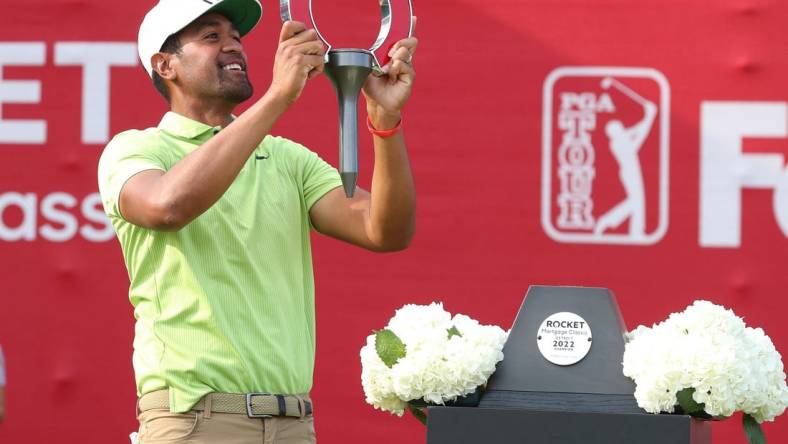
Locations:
19 131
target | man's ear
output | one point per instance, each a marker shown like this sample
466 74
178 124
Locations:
161 64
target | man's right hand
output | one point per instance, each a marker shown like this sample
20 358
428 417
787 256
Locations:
298 59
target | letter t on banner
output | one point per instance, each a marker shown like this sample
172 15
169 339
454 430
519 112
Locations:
96 60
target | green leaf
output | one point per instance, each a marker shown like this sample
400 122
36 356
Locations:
418 413
686 402
753 430
389 347
454 332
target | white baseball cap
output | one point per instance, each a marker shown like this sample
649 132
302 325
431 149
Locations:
170 16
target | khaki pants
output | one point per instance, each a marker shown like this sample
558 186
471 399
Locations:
206 427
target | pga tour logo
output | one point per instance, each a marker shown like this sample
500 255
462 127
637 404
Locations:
605 155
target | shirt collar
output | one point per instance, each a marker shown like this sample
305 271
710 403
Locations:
185 127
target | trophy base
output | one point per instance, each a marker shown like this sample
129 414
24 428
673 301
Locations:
461 425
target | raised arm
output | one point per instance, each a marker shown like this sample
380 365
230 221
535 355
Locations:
170 200
640 131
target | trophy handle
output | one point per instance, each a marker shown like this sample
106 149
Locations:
301 11
396 23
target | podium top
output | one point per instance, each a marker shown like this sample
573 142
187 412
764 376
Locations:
526 369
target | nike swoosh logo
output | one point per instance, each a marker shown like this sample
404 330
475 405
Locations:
261 157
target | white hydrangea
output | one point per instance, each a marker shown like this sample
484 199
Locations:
731 367
435 368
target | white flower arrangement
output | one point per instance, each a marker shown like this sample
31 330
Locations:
426 356
707 363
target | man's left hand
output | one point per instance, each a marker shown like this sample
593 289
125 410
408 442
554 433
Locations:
387 94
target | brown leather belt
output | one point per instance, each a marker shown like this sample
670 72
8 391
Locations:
253 405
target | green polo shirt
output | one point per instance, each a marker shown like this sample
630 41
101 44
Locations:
226 304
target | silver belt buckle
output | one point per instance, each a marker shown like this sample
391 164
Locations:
249 412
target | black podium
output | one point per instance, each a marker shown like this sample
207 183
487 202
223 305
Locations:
561 381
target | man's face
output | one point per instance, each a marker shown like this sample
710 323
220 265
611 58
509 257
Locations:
212 63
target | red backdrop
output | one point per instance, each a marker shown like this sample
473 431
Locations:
488 224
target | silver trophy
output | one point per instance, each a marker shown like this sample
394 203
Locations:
348 68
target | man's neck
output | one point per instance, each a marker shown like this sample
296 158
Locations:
212 115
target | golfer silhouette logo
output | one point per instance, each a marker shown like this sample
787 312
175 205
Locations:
606 178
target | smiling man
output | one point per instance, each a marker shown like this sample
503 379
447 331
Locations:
213 215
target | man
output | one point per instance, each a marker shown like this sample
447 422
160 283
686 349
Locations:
213 215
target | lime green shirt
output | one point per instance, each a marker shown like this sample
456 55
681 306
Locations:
226 304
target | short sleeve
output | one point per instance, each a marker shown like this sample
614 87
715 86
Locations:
126 155
318 178
314 174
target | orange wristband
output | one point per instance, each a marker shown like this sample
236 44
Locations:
383 133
